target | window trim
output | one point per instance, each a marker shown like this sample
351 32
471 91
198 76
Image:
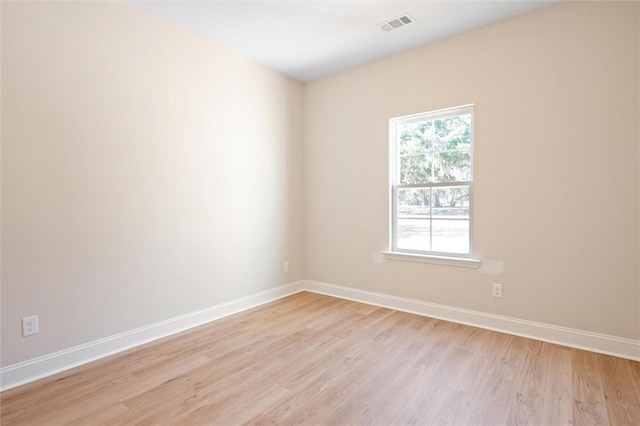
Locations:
394 176
463 262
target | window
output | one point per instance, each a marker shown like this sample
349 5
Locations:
431 182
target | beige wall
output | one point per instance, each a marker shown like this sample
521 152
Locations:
146 173
556 167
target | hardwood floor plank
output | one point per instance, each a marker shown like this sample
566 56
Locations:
622 395
589 400
341 383
529 387
439 385
491 396
314 359
557 407
365 399
378 405
458 392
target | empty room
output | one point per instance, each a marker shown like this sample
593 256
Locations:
320 212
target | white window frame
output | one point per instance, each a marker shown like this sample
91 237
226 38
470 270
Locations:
454 259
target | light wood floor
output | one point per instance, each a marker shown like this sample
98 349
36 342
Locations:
312 359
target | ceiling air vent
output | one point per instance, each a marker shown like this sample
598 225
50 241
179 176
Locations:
396 23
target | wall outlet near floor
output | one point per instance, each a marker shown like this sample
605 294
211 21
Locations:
29 325
285 266
497 290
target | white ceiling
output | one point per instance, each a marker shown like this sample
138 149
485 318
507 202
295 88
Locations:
309 39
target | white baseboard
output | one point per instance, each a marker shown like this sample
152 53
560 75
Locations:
46 365
580 339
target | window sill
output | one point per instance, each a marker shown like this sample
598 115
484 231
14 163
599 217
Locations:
461 262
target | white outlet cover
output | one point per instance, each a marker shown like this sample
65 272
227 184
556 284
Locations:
497 290
30 325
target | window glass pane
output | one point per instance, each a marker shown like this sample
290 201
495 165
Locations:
452 166
416 137
435 151
450 202
413 202
413 212
413 234
452 133
415 168
450 236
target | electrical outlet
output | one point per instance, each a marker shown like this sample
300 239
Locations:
497 290
285 267
29 325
